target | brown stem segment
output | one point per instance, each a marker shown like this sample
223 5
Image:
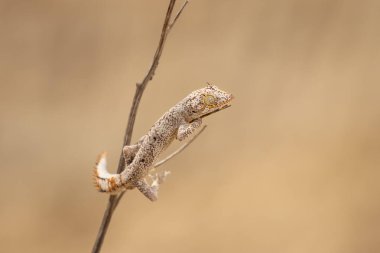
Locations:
140 87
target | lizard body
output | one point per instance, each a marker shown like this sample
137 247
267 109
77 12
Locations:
177 123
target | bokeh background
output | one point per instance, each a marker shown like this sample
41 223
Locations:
293 166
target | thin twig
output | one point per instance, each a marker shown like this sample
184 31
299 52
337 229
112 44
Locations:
140 87
218 110
177 151
189 142
158 164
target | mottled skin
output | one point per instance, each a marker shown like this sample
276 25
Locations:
178 123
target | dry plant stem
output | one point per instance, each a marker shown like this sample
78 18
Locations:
140 87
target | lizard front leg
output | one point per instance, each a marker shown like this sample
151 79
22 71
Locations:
187 129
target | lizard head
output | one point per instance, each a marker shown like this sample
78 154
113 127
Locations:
207 100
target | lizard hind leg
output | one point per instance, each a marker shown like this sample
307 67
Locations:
187 129
105 181
129 152
149 191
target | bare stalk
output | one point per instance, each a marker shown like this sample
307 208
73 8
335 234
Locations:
140 87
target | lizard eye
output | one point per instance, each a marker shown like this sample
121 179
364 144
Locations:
209 99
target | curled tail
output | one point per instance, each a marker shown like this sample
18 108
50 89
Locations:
105 181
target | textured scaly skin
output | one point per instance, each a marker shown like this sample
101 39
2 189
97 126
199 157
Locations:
177 123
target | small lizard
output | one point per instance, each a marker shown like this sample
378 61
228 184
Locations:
177 123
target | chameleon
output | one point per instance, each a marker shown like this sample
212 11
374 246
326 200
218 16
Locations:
179 122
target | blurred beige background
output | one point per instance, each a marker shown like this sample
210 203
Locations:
293 166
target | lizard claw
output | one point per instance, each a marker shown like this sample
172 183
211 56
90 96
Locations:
162 176
159 178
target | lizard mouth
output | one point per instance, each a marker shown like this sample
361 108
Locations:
227 102
222 106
